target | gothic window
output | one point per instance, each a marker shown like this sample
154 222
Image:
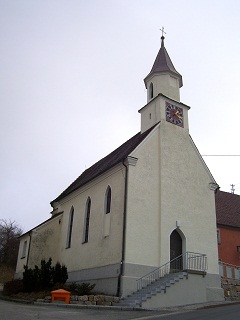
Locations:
107 211
151 91
87 220
24 251
108 198
70 226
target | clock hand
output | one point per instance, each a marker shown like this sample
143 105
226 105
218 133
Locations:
177 114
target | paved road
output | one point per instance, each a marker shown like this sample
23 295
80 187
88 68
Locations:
17 311
230 312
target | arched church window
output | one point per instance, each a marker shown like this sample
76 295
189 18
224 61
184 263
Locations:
87 220
70 226
108 199
151 91
24 251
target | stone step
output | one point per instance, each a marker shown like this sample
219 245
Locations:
157 286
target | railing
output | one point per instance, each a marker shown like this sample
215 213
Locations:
185 262
229 271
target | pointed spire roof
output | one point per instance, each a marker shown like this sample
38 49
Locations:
164 64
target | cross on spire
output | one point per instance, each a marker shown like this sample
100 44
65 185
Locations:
162 32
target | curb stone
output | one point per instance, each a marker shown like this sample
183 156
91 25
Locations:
167 310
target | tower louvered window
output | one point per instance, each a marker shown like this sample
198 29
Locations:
151 91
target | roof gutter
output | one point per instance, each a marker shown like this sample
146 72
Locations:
119 287
129 161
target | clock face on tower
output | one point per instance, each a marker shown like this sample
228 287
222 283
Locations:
174 114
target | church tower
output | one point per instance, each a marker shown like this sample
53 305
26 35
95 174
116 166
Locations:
163 85
171 209
163 77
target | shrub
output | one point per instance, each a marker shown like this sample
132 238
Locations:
45 277
12 287
60 274
29 279
80 289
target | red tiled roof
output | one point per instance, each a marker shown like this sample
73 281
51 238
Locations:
106 163
227 209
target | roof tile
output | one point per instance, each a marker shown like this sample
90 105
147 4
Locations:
106 163
227 209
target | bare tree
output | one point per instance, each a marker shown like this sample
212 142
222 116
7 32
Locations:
9 242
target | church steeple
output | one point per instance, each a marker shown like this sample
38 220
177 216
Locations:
163 77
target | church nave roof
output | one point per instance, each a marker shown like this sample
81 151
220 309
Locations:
106 163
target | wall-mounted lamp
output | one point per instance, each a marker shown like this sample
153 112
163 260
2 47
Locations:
178 223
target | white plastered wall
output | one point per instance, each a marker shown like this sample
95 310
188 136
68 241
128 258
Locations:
186 196
164 83
169 183
45 242
42 243
142 227
100 250
154 111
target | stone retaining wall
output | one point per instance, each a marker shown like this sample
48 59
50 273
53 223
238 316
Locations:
88 300
231 289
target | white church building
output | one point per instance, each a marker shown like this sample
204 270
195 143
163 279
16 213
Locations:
144 216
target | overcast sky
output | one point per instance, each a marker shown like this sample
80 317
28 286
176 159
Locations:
71 86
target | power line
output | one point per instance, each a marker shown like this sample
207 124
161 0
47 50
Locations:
220 155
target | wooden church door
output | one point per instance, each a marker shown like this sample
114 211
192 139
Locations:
175 249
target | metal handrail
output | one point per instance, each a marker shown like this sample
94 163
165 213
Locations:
187 261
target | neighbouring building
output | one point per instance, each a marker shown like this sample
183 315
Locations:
149 202
228 233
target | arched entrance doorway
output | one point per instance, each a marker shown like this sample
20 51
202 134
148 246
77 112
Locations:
175 250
